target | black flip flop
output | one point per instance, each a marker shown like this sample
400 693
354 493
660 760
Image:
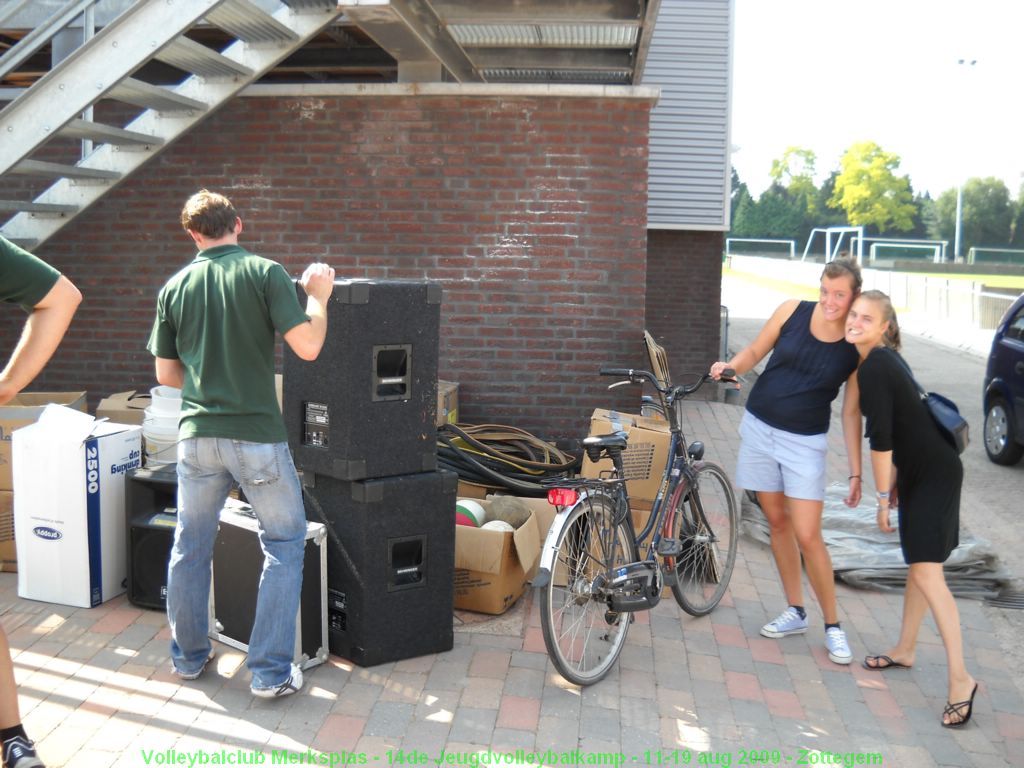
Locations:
890 663
962 709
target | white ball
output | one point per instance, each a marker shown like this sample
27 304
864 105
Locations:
470 512
498 525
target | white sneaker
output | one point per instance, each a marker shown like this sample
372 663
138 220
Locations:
287 688
786 623
838 648
192 675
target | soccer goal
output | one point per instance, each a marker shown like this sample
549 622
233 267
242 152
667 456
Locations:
902 250
995 256
837 240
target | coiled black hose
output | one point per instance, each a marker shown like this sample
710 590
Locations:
502 457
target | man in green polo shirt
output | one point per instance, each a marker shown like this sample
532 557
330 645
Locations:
214 337
50 300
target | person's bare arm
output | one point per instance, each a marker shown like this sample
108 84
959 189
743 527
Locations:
852 429
42 332
170 372
745 360
307 339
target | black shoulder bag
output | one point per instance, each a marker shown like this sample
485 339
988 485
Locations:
952 426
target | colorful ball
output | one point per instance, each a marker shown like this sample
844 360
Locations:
470 512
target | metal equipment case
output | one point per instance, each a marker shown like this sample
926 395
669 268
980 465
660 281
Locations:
237 565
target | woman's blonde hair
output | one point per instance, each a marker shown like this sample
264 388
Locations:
892 336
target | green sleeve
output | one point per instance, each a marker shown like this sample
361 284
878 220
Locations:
162 338
283 301
24 278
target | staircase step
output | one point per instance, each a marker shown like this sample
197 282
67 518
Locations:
107 134
243 20
311 5
154 97
41 168
196 58
103 69
20 205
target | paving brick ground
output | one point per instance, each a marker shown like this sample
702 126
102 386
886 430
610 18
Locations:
96 690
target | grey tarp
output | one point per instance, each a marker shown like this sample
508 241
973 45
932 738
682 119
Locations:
863 556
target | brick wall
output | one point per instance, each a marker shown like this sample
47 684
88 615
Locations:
684 291
529 210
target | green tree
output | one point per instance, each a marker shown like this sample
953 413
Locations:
1017 235
869 191
742 221
737 195
944 222
777 214
987 212
986 215
795 172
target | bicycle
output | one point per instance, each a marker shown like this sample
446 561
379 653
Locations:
592 574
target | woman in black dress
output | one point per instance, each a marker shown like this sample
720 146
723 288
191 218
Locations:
901 434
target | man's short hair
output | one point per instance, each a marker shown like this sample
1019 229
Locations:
210 214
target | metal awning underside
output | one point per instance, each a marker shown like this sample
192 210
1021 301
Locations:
602 42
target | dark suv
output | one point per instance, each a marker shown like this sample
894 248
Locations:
1004 389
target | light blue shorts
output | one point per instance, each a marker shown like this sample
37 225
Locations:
772 459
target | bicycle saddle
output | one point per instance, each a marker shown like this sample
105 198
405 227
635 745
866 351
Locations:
614 440
596 444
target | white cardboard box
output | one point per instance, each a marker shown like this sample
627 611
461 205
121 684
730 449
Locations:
69 519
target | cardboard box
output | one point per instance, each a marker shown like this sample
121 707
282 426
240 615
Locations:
447 402
124 407
23 410
645 455
468 490
493 568
69 517
8 553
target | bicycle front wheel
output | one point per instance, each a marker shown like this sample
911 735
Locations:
583 635
705 522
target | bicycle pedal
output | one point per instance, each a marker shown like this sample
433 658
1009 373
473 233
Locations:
670 548
671 576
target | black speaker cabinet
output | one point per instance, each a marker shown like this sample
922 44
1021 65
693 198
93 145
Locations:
237 568
366 406
390 559
151 515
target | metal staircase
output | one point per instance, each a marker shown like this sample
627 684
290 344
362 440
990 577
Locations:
103 69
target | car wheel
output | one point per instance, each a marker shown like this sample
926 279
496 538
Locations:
1000 441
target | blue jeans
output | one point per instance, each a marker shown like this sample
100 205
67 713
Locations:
206 467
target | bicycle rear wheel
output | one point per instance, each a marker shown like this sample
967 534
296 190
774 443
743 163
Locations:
583 635
705 521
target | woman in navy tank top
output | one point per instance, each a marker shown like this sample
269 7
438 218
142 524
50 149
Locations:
784 445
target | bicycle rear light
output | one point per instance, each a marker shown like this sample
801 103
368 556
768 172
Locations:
562 497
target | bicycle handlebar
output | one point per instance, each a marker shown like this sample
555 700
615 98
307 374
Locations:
639 376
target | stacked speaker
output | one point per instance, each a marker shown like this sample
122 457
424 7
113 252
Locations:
150 512
361 424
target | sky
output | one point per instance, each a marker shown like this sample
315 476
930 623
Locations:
825 74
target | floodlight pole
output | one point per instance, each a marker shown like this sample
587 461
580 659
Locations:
960 185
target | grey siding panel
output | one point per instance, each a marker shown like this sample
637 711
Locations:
690 60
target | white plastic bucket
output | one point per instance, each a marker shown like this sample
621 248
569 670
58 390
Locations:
160 437
165 400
